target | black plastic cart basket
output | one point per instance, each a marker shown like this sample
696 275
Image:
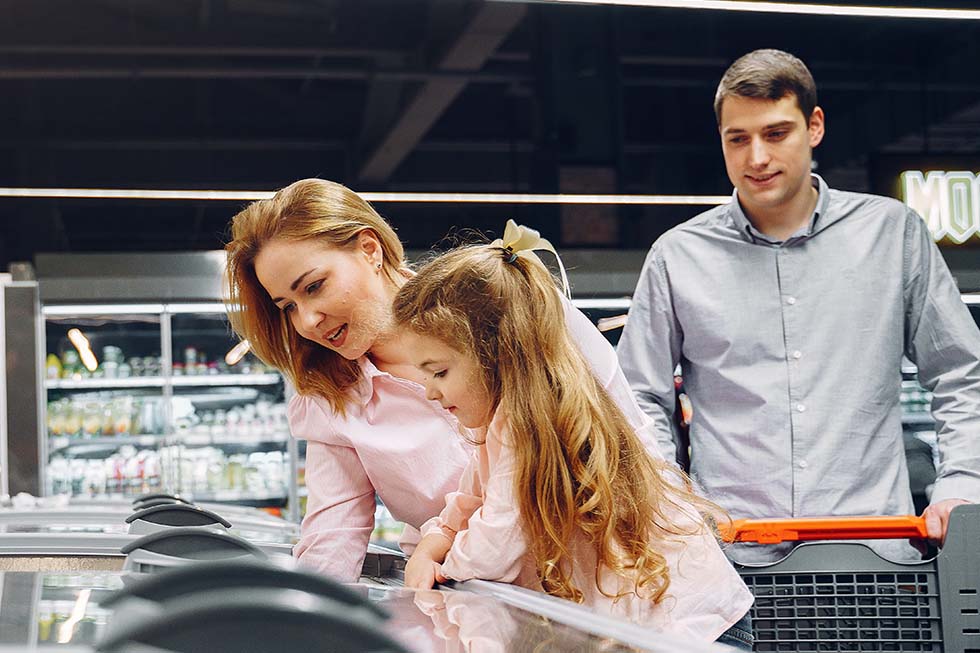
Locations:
842 596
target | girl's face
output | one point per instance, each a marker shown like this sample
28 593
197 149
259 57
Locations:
453 379
338 298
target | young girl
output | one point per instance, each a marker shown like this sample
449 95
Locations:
560 495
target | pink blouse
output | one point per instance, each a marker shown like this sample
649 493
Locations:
706 596
406 448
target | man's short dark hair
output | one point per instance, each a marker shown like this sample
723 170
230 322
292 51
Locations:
768 75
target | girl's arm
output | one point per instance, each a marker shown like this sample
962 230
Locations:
492 547
423 568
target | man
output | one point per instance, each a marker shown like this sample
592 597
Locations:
789 310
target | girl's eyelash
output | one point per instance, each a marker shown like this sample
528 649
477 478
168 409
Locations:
313 287
439 375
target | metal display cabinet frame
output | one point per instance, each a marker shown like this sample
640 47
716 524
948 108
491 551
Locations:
21 400
832 596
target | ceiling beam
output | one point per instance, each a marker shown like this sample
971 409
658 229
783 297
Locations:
477 42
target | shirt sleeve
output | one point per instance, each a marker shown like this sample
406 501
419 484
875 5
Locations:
944 343
340 505
650 349
492 546
602 358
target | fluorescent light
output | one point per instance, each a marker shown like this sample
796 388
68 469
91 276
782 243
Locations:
620 304
210 308
531 198
611 323
237 352
67 628
73 310
477 198
971 299
132 193
791 8
81 344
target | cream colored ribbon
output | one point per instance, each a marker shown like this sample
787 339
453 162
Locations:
522 241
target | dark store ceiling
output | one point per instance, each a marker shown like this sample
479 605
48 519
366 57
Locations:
416 95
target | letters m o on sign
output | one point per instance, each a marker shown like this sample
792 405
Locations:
949 202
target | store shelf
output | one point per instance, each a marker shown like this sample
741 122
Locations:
237 440
157 382
239 497
105 384
60 443
226 379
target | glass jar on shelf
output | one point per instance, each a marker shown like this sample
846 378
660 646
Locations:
92 419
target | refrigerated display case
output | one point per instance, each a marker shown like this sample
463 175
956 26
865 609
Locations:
149 397
76 612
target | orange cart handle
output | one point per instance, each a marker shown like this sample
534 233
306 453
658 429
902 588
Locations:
774 531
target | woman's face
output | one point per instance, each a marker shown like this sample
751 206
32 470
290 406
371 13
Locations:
337 297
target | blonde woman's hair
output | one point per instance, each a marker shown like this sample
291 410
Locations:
580 466
309 209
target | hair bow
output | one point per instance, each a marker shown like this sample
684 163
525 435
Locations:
521 241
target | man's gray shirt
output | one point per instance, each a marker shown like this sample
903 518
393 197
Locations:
791 355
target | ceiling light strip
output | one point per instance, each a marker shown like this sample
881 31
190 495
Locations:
792 8
425 198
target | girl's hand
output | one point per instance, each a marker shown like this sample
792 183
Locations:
422 572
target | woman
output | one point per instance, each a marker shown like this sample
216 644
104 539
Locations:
312 272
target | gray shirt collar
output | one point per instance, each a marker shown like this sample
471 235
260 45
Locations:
749 232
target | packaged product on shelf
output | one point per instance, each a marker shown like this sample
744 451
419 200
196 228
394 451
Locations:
122 415
52 367
261 421
209 470
112 354
136 366
109 369
103 416
91 419
70 365
126 473
151 366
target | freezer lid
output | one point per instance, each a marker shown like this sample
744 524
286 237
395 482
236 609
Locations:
89 521
117 510
426 621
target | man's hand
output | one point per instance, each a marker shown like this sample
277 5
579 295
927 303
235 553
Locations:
422 572
937 519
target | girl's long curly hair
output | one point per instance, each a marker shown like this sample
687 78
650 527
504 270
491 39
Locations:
580 466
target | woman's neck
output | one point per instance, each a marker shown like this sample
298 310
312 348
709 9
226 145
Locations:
389 352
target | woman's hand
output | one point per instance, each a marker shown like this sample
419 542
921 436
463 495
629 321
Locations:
422 572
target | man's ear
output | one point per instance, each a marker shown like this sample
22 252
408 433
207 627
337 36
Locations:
816 127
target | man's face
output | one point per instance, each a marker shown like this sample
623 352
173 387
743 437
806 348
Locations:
768 146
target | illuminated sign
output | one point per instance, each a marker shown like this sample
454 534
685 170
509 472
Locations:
948 201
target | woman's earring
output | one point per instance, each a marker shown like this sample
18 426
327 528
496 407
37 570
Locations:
377 265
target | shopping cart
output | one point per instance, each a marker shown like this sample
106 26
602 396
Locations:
841 596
